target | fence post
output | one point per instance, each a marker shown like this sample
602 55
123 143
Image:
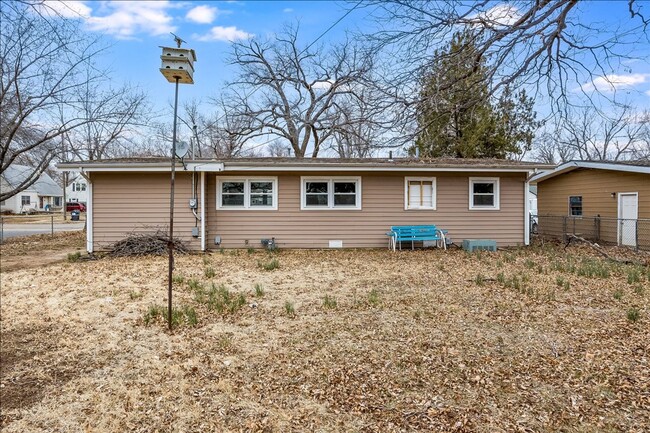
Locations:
2 229
564 228
636 234
52 224
597 228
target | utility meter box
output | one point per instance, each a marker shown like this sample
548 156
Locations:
178 63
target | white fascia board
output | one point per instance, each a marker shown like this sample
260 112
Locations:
142 168
572 165
206 167
304 169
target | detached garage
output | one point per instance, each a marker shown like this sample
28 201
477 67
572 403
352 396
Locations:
603 201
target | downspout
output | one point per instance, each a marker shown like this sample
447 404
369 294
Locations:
89 213
203 211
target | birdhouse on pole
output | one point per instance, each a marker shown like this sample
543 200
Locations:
178 63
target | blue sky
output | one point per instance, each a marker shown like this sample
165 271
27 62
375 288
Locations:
134 31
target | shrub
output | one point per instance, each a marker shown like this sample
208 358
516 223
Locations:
219 299
270 265
329 302
373 297
209 272
633 276
74 257
288 308
633 314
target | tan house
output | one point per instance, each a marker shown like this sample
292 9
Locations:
306 203
606 201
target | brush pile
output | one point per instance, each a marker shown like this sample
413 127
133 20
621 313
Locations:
143 244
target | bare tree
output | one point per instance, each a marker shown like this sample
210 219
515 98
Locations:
589 135
550 46
46 69
291 93
114 116
548 150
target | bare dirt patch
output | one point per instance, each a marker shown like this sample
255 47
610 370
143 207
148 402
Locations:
536 339
38 250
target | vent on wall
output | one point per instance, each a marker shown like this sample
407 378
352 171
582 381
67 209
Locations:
336 244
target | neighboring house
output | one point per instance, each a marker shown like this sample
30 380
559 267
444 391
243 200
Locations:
307 203
43 194
607 201
77 189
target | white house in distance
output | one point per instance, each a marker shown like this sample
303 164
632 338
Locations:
77 189
42 195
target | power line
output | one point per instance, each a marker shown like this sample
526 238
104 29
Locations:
332 26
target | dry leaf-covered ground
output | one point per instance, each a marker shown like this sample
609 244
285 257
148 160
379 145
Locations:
529 340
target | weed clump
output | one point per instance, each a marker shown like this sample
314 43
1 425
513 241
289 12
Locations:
329 302
74 257
270 265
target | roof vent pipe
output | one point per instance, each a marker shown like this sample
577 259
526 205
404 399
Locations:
390 155
417 153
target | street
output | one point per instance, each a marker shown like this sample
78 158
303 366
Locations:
13 230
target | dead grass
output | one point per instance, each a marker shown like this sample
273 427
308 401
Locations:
416 342
41 218
39 250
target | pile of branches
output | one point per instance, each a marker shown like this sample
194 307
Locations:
142 244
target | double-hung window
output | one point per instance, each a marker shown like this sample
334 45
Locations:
330 193
247 193
484 193
25 200
420 193
575 205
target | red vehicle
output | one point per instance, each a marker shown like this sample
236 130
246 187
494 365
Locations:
69 207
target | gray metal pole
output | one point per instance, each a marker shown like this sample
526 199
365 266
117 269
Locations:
52 224
170 244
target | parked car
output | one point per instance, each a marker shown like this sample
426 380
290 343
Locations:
69 207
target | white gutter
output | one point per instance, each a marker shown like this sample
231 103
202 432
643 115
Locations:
89 217
376 169
202 211
526 213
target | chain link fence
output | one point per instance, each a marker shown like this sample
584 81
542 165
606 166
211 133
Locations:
634 233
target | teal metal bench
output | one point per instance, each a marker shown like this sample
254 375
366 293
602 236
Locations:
415 233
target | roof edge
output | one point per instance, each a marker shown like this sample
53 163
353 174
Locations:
573 165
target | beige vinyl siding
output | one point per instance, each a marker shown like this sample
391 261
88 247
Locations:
139 202
596 188
382 206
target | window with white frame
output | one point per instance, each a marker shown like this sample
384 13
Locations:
575 205
484 193
25 200
330 193
420 193
247 193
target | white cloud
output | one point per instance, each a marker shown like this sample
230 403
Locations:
647 92
202 14
125 19
611 83
219 33
65 9
322 85
287 10
497 16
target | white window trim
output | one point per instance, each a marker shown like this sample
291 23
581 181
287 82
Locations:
497 192
247 192
330 192
434 193
568 204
